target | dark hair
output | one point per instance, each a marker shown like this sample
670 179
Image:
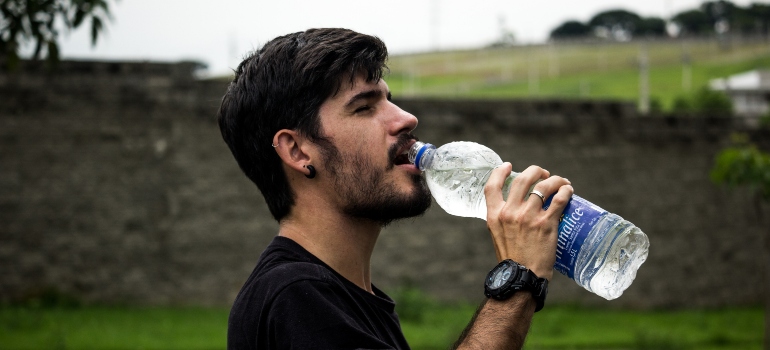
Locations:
282 86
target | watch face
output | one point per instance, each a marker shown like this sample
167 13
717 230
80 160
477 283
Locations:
501 276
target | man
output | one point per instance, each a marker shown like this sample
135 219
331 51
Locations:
309 119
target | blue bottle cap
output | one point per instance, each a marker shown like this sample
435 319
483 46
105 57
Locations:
420 153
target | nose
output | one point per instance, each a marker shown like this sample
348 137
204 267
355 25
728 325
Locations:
402 121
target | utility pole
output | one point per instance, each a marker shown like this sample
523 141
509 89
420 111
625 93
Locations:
644 80
534 74
686 67
553 61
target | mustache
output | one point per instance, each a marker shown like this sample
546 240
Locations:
402 141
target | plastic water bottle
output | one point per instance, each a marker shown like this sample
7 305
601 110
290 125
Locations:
599 250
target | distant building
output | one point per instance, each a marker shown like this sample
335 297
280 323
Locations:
749 92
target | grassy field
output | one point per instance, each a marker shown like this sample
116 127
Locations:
434 326
598 70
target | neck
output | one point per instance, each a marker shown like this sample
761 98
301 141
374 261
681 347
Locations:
343 243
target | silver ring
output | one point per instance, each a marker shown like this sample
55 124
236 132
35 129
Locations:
539 194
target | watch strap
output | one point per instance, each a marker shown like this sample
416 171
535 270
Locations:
540 292
522 279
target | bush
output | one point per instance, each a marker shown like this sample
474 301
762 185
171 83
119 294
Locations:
764 121
655 105
704 101
708 101
681 105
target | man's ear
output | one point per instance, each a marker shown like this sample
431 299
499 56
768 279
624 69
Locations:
293 149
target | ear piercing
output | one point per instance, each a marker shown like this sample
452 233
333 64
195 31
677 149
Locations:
312 171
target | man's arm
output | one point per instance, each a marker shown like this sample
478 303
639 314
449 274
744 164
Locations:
502 323
523 232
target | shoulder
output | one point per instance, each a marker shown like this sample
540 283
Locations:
274 280
311 310
289 272
285 262
265 296
303 305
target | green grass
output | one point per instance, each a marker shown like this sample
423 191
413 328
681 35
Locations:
427 325
112 328
599 71
563 327
569 328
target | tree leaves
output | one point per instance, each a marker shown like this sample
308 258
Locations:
53 51
96 27
571 29
34 21
711 17
743 165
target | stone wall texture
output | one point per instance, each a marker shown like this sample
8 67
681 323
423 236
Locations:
116 187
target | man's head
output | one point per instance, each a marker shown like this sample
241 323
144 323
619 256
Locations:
282 86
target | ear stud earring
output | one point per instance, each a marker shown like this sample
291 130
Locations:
311 169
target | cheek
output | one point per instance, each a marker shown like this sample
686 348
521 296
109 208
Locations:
367 139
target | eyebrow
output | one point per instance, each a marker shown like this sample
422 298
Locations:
365 95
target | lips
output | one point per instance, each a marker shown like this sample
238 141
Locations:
399 152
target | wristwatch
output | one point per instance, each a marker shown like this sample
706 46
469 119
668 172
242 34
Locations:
509 277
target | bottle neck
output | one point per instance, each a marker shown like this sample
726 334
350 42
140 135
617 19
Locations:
421 155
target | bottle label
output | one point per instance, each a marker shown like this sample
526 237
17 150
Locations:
578 219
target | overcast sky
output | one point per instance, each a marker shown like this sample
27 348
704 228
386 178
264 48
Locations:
220 32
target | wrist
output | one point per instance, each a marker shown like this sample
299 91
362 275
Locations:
542 270
545 272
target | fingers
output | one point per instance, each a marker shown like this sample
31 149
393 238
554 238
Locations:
493 190
524 181
560 201
521 230
547 188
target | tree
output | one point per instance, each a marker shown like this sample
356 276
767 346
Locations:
571 30
745 165
760 13
744 21
752 20
724 16
693 22
719 10
615 24
39 21
651 27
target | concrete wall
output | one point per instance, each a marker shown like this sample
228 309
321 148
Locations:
115 186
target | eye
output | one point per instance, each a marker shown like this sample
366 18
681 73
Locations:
362 109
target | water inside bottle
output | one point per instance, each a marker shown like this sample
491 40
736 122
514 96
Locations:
610 258
458 173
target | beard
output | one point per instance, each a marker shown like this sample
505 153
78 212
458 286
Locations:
366 192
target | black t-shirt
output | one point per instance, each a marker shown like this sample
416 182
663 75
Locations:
293 300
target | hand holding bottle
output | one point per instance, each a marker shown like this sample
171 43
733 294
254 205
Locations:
521 230
599 250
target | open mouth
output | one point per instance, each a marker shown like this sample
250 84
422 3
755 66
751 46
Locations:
402 155
402 158
399 152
